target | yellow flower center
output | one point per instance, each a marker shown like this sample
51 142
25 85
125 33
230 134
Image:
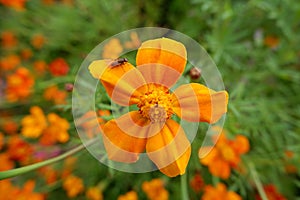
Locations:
156 104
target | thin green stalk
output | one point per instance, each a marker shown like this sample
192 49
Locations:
184 187
22 170
257 182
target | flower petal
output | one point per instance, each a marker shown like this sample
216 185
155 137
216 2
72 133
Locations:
163 51
121 146
169 149
120 81
159 74
198 103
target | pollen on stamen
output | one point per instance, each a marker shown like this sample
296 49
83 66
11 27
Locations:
156 104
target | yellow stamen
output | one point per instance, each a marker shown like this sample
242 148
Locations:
156 104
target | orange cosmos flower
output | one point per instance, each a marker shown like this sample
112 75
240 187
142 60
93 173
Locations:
19 84
49 174
57 130
94 193
15 4
132 195
219 193
272 193
34 124
155 190
59 67
26 54
160 63
27 192
9 126
197 183
6 163
7 190
38 41
225 155
112 49
8 38
73 185
10 62
40 66
54 94
272 42
19 150
1 140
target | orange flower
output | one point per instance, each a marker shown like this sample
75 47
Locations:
10 62
38 41
6 163
73 185
49 174
134 41
197 183
112 49
19 85
225 155
155 190
68 166
56 130
40 66
15 4
27 192
59 67
160 63
9 126
272 193
271 42
7 190
219 193
34 124
8 38
19 150
54 94
94 193
1 140
132 195
26 54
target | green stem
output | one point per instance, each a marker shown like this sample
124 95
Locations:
184 187
257 182
22 170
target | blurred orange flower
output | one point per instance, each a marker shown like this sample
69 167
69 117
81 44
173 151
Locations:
272 193
155 189
6 163
197 183
94 193
112 49
19 85
73 185
152 128
18 5
49 174
38 41
57 130
9 126
8 38
34 124
19 150
1 140
225 155
26 54
131 195
40 67
68 166
52 93
134 41
59 67
219 193
271 41
9 62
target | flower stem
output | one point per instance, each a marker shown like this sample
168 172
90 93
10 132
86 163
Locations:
257 182
184 188
22 170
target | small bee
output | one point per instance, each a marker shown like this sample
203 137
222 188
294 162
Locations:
117 62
